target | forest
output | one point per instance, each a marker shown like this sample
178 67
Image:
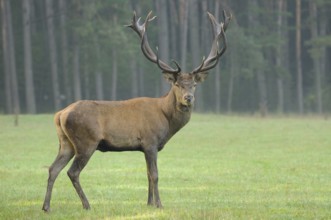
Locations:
54 52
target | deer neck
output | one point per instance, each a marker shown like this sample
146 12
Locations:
176 113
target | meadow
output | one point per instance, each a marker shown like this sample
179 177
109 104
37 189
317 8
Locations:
217 167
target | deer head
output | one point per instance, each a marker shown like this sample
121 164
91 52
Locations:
184 83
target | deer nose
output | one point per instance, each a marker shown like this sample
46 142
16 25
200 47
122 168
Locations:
188 98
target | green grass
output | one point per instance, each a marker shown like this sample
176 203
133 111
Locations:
217 167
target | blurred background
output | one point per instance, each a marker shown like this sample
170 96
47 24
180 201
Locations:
54 52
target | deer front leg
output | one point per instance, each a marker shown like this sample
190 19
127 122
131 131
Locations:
152 175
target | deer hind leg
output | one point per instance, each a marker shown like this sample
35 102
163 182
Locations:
77 166
66 152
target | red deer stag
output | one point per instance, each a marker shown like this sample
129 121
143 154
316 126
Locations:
139 124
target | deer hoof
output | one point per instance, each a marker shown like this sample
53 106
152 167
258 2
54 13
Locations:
46 209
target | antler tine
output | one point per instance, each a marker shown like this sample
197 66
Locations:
177 65
148 19
140 29
226 19
135 24
214 24
214 55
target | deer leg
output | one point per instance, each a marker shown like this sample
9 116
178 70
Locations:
77 166
152 174
150 190
66 152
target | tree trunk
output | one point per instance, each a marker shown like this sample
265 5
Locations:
323 59
234 54
114 76
163 38
134 78
64 48
298 57
173 28
205 27
287 82
99 85
76 71
29 86
98 73
115 71
53 54
14 82
316 60
261 79
194 33
323 32
86 75
183 23
230 91
195 47
141 77
9 54
6 57
279 55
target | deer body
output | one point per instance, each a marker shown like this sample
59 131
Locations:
131 125
139 124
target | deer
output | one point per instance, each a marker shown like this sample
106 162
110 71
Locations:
139 124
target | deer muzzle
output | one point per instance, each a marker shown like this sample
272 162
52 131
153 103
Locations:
189 98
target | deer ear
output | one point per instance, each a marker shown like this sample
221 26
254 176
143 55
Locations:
201 76
170 77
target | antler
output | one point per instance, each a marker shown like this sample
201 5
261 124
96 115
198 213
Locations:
214 55
140 29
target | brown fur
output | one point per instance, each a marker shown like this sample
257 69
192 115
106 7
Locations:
139 124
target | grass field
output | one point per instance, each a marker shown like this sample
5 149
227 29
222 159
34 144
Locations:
217 167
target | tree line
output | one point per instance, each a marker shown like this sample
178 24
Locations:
55 52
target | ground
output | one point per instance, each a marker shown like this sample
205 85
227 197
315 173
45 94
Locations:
217 167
